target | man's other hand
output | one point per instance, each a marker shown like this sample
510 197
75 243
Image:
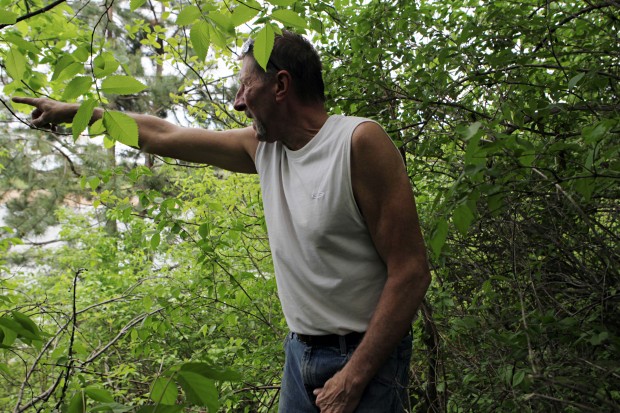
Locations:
338 395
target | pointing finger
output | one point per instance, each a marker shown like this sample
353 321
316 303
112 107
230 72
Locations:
26 100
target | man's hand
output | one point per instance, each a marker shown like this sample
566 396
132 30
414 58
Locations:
48 112
338 395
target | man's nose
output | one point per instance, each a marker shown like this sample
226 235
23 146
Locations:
239 101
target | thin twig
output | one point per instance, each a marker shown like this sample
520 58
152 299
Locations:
34 13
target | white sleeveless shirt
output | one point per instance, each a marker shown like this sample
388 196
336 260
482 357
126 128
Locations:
328 272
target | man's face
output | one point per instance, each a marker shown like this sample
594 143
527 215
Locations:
253 97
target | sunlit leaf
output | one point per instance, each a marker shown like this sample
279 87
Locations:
289 18
263 45
122 85
199 36
188 15
94 182
97 128
104 64
78 86
135 4
243 13
26 323
7 17
10 324
283 3
121 128
24 45
82 117
63 63
15 64
224 22
155 240
81 54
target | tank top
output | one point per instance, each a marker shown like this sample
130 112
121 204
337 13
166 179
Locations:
328 272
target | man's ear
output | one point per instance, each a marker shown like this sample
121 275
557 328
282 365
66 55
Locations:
284 84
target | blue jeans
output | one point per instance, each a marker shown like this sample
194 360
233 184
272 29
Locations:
307 368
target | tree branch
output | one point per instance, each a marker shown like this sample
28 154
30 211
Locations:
34 13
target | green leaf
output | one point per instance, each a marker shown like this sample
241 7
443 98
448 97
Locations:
211 372
474 154
104 64
82 117
585 187
527 159
9 336
289 18
438 239
26 323
81 54
495 203
78 86
224 22
2 336
199 36
99 395
94 182
15 64
243 13
5 369
204 230
12 325
283 3
122 85
218 37
155 240
518 378
121 128
61 64
113 407
471 130
462 216
573 82
96 128
263 45
188 15
7 17
108 142
21 43
135 4
77 403
594 133
164 391
199 390
161 408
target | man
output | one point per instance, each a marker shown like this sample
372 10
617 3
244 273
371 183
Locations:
346 243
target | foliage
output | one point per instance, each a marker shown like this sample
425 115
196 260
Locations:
161 290
508 115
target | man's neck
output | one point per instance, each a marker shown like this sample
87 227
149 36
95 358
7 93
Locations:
303 128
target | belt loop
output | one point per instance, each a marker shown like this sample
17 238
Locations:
343 345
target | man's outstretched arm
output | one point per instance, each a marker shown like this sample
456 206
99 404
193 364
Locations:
232 149
384 196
